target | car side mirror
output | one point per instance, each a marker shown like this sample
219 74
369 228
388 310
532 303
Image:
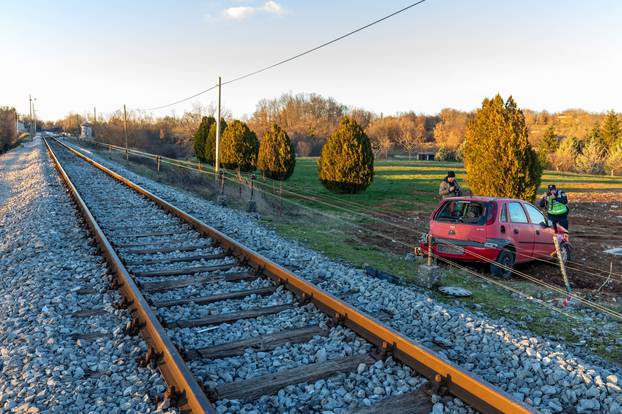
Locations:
544 224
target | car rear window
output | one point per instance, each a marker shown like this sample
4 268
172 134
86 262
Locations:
465 211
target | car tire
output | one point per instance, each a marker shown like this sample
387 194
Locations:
506 259
565 251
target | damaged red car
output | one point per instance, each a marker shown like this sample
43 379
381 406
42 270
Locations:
499 231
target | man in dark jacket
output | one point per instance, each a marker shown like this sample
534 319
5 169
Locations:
449 186
556 204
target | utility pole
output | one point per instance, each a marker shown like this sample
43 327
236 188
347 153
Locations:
94 115
127 157
34 119
217 163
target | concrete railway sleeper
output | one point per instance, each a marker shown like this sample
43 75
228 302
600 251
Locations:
231 330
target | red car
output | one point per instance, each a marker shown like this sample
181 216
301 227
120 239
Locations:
494 230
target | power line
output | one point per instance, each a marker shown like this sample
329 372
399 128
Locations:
281 62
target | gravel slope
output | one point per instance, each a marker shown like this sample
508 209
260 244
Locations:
547 375
45 258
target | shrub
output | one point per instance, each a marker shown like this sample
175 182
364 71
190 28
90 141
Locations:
498 158
563 157
210 143
346 163
200 137
444 154
614 160
276 158
592 159
238 147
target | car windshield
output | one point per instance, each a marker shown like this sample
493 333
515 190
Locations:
464 211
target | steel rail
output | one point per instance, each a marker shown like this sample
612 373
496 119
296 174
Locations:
171 364
442 374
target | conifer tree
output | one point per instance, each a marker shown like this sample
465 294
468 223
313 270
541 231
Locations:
200 138
346 163
498 158
611 130
210 144
238 147
597 137
276 159
548 145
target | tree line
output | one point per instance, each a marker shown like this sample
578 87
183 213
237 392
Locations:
309 119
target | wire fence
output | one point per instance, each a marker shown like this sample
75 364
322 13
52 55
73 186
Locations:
302 198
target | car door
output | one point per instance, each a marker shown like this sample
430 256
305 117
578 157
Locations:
521 231
543 245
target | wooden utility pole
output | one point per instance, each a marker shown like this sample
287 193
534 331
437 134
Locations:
127 157
217 160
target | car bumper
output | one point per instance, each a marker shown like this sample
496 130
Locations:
466 253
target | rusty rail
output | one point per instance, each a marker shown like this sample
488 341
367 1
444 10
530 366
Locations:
172 366
443 375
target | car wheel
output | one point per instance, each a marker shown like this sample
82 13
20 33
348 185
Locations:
502 267
564 249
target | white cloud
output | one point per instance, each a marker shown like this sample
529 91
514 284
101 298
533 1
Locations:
272 7
238 13
242 12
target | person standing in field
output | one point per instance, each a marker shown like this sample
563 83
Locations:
449 186
556 204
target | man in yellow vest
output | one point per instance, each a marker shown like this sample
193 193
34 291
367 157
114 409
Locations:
556 204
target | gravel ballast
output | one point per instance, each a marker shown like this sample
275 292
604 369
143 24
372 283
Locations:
548 375
47 263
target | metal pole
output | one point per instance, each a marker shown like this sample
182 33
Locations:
34 118
429 250
94 115
127 157
562 265
30 107
217 161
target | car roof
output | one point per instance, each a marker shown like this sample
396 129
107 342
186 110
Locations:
484 199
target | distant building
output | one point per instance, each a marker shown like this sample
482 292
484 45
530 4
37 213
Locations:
86 130
425 156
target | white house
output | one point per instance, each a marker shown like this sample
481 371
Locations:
86 130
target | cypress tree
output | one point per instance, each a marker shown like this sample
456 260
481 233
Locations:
200 138
498 158
346 163
238 147
611 131
276 159
548 145
210 144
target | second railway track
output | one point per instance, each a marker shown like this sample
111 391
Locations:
232 331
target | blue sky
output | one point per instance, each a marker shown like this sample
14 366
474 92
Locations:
74 55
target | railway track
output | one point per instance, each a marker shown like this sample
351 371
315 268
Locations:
229 329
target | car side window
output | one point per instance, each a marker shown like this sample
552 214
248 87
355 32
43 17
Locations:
517 214
536 216
504 214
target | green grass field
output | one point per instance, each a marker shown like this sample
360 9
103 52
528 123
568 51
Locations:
402 184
